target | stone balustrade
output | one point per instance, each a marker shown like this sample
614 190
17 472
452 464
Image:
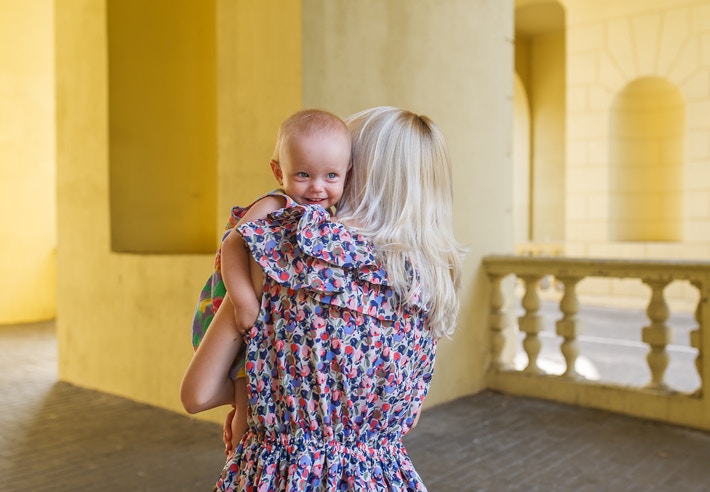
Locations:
656 400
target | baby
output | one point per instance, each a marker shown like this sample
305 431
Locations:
311 161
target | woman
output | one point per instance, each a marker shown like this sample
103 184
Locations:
341 354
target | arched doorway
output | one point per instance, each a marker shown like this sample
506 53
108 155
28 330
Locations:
646 162
540 69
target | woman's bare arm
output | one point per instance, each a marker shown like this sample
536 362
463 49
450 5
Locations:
206 383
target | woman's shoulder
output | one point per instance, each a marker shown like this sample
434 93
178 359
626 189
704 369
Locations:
304 248
316 233
307 236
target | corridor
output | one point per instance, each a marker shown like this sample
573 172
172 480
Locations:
58 437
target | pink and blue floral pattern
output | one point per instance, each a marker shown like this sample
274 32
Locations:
337 367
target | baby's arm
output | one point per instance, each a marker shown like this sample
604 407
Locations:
236 270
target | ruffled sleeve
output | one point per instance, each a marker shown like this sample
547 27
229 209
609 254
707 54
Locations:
301 248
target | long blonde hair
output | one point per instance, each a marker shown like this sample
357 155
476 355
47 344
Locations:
399 196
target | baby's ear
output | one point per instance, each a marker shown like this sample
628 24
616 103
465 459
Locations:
276 169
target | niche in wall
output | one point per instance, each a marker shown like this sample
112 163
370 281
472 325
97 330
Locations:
647 131
162 126
540 99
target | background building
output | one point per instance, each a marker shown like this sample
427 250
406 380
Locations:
129 128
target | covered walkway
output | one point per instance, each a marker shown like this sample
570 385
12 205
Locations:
55 436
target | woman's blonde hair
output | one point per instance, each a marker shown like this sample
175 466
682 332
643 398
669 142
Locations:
399 195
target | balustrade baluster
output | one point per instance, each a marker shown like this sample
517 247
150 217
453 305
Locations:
497 322
657 335
569 327
696 336
531 322
657 399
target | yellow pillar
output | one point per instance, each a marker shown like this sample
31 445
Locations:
27 181
259 85
125 316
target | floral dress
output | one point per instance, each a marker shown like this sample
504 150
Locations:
337 367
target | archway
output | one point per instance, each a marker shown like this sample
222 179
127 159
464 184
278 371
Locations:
540 66
646 162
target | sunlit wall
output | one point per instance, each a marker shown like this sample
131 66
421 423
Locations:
445 60
140 143
28 236
638 136
126 311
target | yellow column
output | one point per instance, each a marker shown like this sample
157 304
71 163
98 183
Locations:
27 179
259 85
126 317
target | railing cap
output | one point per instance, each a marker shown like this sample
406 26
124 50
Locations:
596 267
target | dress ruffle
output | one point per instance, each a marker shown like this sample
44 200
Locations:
287 465
302 248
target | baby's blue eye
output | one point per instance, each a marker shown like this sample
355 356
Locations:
332 175
302 174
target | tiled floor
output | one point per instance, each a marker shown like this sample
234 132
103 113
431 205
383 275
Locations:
57 437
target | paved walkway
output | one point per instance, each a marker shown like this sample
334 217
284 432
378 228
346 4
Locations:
57 437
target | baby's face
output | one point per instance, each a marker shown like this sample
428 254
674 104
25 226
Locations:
312 170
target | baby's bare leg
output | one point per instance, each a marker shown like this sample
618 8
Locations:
239 421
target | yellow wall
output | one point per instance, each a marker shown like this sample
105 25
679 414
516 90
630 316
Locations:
27 178
547 102
612 48
521 162
609 47
646 162
540 165
125 319
450 60
259 84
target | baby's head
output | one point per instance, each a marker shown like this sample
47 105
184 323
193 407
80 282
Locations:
312 157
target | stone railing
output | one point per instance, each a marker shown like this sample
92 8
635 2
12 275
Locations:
657 400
